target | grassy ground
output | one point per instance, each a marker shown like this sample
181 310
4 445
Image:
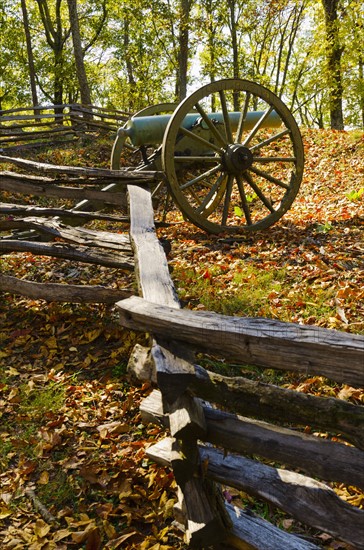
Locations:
73 470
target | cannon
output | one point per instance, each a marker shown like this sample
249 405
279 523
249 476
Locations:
231 153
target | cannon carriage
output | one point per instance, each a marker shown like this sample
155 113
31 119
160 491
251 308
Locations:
231 153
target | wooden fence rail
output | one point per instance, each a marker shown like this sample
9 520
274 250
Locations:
27 223
30 127
177 335
223 430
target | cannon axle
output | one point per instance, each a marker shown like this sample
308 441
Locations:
237 159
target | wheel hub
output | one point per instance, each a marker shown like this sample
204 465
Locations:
237 158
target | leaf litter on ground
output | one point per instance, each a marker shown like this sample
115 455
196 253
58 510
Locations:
74 473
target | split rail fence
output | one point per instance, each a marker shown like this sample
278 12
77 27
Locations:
223 430
25 128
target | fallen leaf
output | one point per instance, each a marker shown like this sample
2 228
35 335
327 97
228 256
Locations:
4 512
43 478
41 528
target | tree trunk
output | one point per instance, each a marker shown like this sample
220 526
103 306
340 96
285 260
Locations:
30 54
183 48
234 43
129 64
334 54
79 58
361 98
55 39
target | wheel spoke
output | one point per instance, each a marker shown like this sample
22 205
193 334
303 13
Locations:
242 118
200 139
194 195
157 189
258 125
244 202
211 125
270 140
258 192
229 188
211 194
225 113
216 177
168 199
268 177
201 177
265 160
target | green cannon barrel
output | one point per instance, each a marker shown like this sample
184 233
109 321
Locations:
149 130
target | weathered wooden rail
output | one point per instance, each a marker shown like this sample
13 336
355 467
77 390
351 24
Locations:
25 128
194 426
32 224
207 446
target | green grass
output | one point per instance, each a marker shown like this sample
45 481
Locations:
355 195
120 370
6 451
311 303
20 425
244 294
254 292
36 402
60 491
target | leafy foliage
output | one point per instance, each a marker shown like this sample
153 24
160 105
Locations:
132 52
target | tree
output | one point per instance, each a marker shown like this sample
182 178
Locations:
143 36
56 36
32 75
134 53
233 20
352 34
79 55
183 51
334 55
14 79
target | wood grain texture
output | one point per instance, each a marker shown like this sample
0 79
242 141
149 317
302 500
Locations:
204 526
306 499
325 459
272 403
32 185
204 520
317 457
56 229
247 531
55 292
20 210
264 342
174 368
151 263
186 418
259 534
80 172
77 253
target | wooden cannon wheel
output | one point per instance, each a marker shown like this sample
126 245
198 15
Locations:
237 172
